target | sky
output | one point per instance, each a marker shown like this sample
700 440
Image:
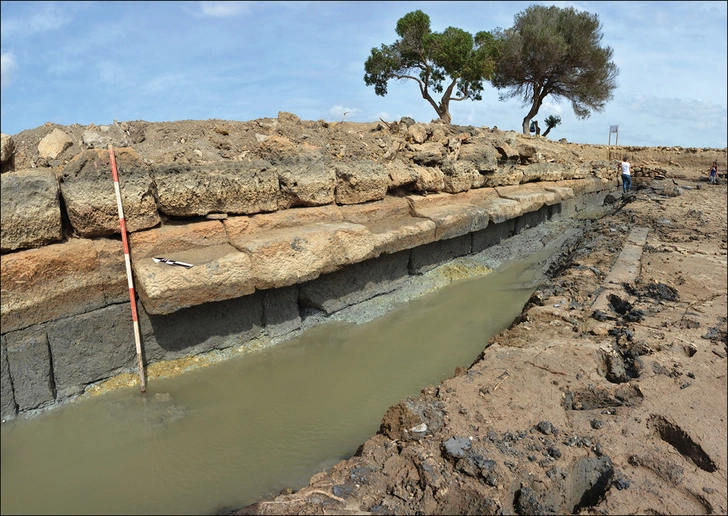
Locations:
93 62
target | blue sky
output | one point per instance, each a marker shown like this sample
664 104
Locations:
93 62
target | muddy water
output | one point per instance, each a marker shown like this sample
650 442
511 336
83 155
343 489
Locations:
228 434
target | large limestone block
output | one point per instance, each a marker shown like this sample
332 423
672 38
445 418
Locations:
90 347
57 280
169 239
428 154
503 176
400 174
306 182
543 172
292 218
219 272
7 146
564 193
237 188
460 176
376 210
398 233
584 186
30 210
54 144
456 219
531 197
360 181
499 209
429 179
481 154
87 186
29 361
285 256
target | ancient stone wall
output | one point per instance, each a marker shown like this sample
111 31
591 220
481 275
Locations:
270 238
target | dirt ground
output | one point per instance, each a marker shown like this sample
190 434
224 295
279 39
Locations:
573 409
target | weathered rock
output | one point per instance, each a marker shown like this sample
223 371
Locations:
8 407
87 188
285 256
306 183
101 136
508 175
219 272
459 176
7 147
227 187
481 153
159 242
417 133
54 144
30 212
400 174
429 179
288 118
543 172
294 217
91 347
398 233
280 311
450 219
360 181
506 151
387 208
29 361
531 197
57 280
428 154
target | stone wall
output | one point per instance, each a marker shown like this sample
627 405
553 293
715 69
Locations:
269 243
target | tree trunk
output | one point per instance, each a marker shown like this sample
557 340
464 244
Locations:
546 132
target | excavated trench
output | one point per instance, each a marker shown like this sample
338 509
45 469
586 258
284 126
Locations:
231 433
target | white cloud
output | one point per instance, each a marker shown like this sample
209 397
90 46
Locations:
224 9
339 111
9 65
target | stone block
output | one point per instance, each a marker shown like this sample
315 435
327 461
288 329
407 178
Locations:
198 329
494 234
286 256
8 407
170 239
543 172
481 154
29 360
388 207
30 210
429 179
459 176
428 154
427 257
306 182
289 219
359 282
280 311
455 220
360 181
91 347
507 175
7 147
218 273
400 174
394 234
236 188
54 281
87 187
531 197
53 144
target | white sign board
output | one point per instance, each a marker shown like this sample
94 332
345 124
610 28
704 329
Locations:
613 129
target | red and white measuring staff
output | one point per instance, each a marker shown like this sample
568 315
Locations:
132 296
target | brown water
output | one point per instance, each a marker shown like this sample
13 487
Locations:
228 434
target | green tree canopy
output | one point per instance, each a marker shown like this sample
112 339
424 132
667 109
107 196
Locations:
555 51
551 122
452 63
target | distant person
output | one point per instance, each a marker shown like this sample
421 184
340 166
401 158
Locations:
626 176
713 173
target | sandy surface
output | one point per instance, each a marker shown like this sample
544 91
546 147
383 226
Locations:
606 396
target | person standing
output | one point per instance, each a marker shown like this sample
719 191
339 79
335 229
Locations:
714 173
626 175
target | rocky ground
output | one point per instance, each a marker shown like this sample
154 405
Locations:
606 396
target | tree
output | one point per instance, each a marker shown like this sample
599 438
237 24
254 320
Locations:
557 52
551 122
453 63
